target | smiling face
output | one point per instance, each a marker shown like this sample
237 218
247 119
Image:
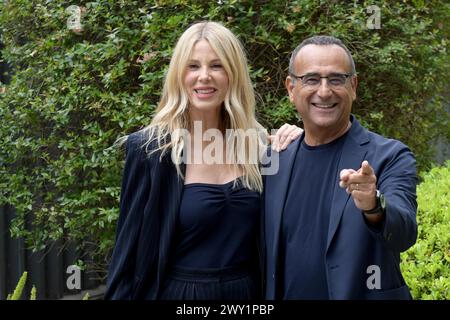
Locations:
324 110
205 80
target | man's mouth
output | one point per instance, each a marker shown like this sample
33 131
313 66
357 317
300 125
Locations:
324 105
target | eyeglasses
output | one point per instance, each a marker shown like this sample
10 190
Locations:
313 80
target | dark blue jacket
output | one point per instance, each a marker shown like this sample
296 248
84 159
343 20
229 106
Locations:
352 244
149 204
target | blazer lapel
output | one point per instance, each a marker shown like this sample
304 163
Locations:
171 204
353 154
275 195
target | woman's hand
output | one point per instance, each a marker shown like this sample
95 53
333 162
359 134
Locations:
284 136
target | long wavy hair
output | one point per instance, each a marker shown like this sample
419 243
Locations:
238 111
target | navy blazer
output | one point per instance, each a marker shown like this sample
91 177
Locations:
149 204
352 244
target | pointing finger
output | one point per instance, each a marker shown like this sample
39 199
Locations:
366 168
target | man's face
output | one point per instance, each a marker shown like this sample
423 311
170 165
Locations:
323 108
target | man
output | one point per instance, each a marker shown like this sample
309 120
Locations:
343 205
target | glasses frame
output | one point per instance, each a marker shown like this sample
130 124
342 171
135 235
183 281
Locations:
346 75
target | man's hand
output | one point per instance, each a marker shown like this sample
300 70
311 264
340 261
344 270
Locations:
284 136
361 184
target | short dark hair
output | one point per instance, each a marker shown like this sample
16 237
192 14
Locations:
321 41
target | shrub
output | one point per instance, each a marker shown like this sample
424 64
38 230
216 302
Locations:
426 266
17 294
74 92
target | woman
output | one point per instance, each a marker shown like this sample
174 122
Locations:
188 226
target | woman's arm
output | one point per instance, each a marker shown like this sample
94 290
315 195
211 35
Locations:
284 136
135 185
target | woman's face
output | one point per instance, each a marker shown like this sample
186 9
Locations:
205 79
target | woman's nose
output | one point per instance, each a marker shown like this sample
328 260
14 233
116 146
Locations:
204 74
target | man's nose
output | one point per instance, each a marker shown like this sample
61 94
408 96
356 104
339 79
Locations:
324 89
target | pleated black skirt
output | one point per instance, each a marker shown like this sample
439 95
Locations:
234 283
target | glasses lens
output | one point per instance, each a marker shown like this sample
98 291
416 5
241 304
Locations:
337 80
311 80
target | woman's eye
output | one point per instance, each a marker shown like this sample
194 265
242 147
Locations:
192 66
216 66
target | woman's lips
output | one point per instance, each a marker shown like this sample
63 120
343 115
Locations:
204 92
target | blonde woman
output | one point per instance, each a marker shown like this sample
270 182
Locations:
190 201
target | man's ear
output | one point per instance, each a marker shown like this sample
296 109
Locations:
354 82
290 83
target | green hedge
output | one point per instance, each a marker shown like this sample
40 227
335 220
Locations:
72 93
426 266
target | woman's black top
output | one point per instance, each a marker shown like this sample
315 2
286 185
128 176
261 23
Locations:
217 226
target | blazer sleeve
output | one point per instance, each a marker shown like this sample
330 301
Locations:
134 190
397 180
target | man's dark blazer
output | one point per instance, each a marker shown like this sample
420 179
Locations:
352 244
149 204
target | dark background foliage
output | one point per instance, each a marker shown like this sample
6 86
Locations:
72 93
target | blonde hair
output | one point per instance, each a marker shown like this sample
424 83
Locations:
239 105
